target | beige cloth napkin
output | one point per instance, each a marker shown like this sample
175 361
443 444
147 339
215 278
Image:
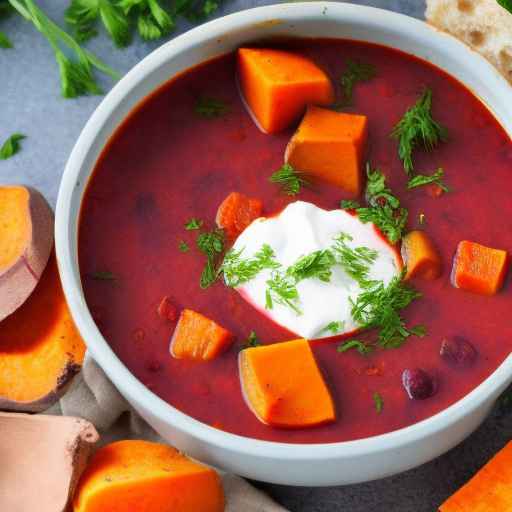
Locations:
92 396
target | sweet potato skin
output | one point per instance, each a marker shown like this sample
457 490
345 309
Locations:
40 348
420 256
277 85
19 278
141 476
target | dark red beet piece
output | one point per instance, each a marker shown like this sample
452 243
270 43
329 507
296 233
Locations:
418 384
458 351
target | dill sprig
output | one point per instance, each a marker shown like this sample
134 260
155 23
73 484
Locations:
282 289
363 348
354 73
317 264
210 108
290 180
211 244
418 128
334 327
422 179
378 402
251 341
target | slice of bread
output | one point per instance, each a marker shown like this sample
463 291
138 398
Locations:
482 24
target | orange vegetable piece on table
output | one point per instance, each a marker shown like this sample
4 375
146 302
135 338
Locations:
479 269
330 145
283 385
488 490
236 212
140 476
420 256
198 337
277 86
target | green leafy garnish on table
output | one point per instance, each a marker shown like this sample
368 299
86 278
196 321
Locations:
417 128
5 12
354 73
211 244
5 42
422 179
290 180
378 401
11 146
211 108
506 4
251 341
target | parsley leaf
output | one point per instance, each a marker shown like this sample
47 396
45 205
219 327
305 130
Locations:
422 179
251 341
417 127
210 243
11 146
193 224
183 246
506 4
5 42
334 327
210 108
103 275
317 264
290 180
355 72
360 346
378 401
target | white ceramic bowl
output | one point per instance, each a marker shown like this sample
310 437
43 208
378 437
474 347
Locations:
319 464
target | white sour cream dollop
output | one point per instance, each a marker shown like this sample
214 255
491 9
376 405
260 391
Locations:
300 229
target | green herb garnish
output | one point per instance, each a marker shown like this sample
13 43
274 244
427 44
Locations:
349 204
103 275
290 180
355 73
506 4
334 327
5 42
238 270
282 289
5 12
418 128
210 243
211 108
183 246
317 264
11 146
193 224
251 341
360 346
423 179
378 401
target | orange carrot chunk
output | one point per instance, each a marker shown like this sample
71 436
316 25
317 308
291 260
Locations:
420 256
198 337
140 476
479 269
488 490
277 86
236 212
283 385
329 145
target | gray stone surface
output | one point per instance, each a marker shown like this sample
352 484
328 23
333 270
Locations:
30 103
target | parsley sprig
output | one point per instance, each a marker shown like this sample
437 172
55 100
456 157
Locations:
290 180
354 73
418 128
422 179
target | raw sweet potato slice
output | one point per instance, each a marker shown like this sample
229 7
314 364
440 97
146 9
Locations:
479 269
40 348
420 256
283 385
198 337
277 86
26 240
488 490
139 476
330 145
236 212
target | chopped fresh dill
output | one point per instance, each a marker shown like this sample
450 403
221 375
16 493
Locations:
378 401
11 146
358 345
423 179
334 327
317 264
238 270
282 290
354 73
290 180
418 128
251 341
211 244
193 224
210 108
183 246
103 275
349 204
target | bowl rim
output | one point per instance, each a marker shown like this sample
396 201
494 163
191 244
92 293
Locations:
67 215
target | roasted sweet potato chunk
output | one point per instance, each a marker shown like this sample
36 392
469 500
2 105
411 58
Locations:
420 256
236 212
278 85
330 145
283 385
479 269
198 337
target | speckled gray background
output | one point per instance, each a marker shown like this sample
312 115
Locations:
30 103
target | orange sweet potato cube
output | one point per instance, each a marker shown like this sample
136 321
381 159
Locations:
489 490
197 337
277 86
283 385
479 269
420 256
236 212
330 145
